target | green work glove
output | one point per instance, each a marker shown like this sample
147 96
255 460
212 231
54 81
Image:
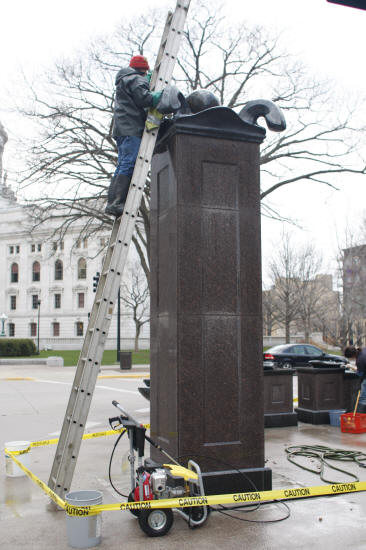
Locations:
156 98
148 76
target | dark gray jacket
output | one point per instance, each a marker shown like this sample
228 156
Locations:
133 96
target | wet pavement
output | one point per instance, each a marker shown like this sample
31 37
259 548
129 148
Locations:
32 406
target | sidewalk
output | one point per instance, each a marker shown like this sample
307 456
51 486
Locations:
336 522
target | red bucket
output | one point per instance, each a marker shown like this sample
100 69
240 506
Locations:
353 423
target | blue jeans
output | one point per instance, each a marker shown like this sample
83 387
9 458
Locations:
128 147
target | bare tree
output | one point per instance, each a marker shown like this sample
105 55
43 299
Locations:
309 291
269 309
302 298
135 295
3 140
70 164
283 273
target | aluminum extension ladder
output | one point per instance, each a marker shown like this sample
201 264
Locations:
91 354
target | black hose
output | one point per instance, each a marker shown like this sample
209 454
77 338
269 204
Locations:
110 464
323 454
241 507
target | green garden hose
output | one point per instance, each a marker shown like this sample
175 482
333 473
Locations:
323 454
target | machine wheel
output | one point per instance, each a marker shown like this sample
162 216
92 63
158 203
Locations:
131 498
286 365
156 522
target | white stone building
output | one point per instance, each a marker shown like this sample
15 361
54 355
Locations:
59 275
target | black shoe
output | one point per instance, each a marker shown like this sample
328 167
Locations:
121 187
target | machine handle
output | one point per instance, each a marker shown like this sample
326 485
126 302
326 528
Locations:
126 414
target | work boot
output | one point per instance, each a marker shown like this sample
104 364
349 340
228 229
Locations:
121 187
111 195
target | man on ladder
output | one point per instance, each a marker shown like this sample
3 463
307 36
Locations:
132 99
90 358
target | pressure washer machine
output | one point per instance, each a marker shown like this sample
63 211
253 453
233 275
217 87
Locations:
152 481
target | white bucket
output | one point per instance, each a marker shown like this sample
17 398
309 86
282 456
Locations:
84 532
21 450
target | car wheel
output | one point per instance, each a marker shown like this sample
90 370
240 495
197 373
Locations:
287 365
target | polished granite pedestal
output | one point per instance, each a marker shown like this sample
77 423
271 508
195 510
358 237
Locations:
206 325
278 398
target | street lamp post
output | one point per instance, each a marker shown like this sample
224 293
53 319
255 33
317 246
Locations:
3 318
39 314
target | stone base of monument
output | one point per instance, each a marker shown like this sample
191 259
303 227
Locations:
280 420
242 480
320 390
313 417
278 398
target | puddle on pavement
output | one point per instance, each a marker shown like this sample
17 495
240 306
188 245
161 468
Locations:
17 494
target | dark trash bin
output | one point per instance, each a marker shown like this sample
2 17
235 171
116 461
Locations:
125 360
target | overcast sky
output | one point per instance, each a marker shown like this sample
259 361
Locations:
329 38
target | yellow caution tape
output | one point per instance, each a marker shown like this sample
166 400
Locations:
85 436
18 452
58 500
17 378
183 502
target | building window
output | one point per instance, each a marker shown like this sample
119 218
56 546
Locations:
81 299
59 270
33 329
17 248
36 271
13 302
14 275
56 329
102 241
59 245
79 328
85 243
11 329
34 301
11 249
39 247
57 301
82 268
78 244
33 247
